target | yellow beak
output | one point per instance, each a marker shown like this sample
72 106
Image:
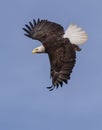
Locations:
34 51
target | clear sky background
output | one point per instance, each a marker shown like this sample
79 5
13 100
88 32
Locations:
25 103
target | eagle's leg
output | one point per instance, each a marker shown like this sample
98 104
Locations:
76 47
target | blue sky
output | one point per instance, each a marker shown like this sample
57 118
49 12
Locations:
25 103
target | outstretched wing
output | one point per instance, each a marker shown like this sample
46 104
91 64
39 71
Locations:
62 60
42 29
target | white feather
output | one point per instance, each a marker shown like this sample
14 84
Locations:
76 34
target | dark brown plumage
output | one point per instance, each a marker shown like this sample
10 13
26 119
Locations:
62 60
62 54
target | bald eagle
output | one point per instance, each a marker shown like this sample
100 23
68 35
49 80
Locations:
60 45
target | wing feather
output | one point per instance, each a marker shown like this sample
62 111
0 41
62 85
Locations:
34 22
31 24
28 27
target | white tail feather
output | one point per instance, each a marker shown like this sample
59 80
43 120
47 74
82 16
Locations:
76 35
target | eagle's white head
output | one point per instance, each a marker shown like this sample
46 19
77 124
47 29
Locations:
40 49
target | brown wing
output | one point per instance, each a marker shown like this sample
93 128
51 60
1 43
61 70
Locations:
62 60
42 29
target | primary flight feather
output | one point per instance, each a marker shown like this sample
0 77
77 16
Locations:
60 45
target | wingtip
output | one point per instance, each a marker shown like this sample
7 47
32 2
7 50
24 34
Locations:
50 88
